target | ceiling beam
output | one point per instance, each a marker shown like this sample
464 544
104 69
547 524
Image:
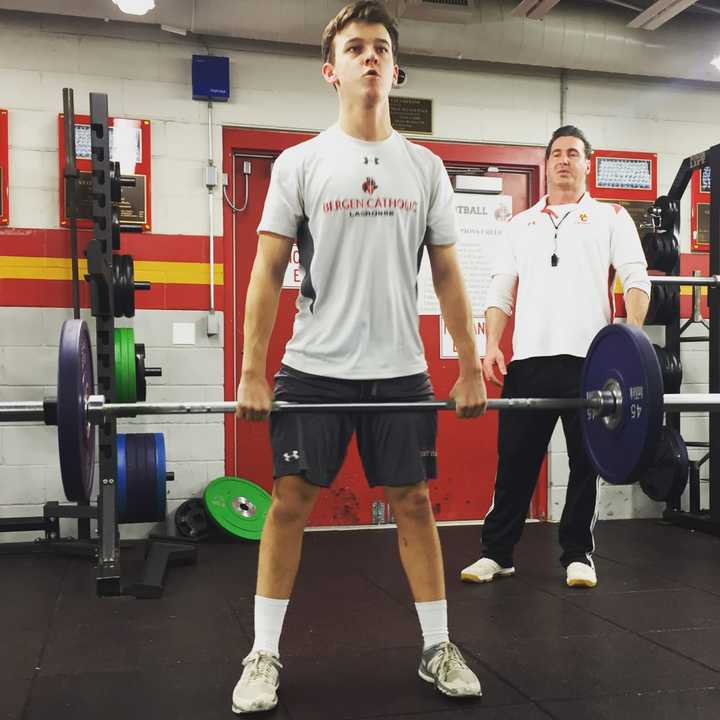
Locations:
659 13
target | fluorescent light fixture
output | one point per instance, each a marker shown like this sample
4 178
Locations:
716 62
174 29
135 7
659 13
534 9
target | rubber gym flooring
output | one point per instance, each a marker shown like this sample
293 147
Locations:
644 644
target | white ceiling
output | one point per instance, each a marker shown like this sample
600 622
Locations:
588 35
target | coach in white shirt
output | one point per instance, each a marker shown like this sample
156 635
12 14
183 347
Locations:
561 256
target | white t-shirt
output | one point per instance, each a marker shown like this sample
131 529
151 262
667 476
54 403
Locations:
361 213
559 309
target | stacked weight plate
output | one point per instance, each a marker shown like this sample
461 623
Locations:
142 477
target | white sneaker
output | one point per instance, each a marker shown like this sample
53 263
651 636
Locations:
485 570
258 685
580 574
444 666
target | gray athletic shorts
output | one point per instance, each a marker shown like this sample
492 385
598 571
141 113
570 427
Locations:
396 448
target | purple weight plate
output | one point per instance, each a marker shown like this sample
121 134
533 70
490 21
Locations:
76 434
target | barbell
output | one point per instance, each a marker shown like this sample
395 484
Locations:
621 403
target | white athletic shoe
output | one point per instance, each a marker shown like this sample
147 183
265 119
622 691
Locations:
444 666
485 570
258 685
580 574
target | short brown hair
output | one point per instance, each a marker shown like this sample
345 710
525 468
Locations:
364 11
569 131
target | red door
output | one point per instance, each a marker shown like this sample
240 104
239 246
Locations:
466 449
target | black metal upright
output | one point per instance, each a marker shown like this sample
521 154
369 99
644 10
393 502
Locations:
712 160
71 175
697 518
99 256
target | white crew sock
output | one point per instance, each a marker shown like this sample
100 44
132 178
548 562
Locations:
433 622
269 617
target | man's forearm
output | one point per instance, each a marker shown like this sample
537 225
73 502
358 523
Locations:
457 314
636 306
260 311
495 322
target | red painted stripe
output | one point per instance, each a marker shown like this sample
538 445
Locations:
58 293
142 246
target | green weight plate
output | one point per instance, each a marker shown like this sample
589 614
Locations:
237 506
125 385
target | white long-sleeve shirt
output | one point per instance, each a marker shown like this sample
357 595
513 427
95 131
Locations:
560 308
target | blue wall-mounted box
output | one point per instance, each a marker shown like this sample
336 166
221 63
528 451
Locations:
211 78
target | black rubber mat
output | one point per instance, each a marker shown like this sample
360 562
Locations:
643 644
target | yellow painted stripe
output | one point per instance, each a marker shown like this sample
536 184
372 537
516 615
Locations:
14 267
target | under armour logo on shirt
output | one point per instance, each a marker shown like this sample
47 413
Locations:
292 455
366 160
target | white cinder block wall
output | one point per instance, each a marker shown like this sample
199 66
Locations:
147 75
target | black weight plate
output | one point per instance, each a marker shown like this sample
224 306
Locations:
667 475
651 246
129 286
76 434
118 289
668 211
191 520
140 485
140 382
666 260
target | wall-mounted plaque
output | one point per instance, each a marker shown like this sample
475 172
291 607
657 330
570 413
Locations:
622 176
705 179
411 115
131 148
703 225
700 210
637 210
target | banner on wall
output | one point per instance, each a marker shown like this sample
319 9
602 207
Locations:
482 220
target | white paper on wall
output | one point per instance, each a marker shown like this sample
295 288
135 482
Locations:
482 220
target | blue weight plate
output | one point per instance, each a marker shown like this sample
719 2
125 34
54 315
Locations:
76 434
160 477
623 353
121 478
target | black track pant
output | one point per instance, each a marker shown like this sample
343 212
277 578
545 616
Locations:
522 443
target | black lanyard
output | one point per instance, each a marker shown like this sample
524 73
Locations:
554 259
